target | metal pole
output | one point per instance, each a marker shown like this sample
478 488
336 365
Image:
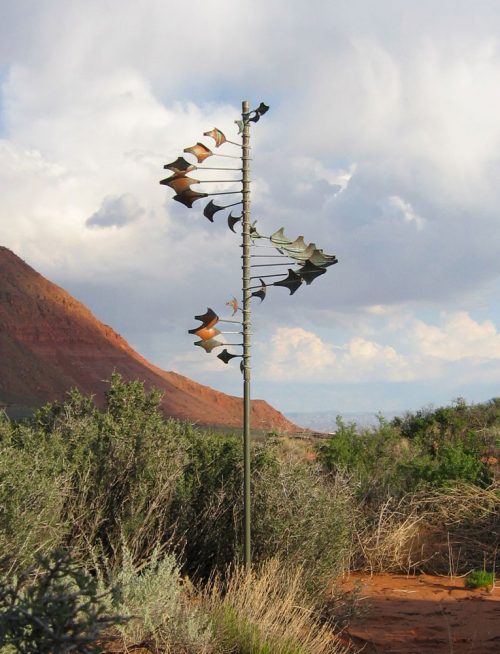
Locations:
245 156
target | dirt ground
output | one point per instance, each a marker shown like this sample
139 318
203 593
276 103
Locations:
424 614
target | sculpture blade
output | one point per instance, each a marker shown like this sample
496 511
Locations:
262 108
211 209
227 356
188 196
200 151
217 136
205 333
179 182
299 255
209 345
292 282
261 293
309 272
180 165
232 220
209 318
233 303
318 258
279 238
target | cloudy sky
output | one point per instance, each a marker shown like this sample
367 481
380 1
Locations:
382 145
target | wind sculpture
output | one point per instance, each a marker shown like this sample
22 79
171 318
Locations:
304 262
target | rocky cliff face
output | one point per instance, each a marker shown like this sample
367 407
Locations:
50 342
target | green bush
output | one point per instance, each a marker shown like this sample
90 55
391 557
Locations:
53 608
480 579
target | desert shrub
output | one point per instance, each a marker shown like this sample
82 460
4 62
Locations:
52 608
161 609
303 516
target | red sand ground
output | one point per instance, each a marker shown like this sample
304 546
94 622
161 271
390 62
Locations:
424 614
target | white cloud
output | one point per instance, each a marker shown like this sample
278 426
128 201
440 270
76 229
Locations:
459 337
407 211
116 211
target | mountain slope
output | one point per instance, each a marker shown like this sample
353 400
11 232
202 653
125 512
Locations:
50 342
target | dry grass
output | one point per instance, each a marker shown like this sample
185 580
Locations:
266 612
436 530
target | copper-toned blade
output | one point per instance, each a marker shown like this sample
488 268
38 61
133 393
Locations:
188 196
279 238
292 282
179 182
200 151
211 209
217 136
180 165
309 272
232 220
261 293
209 318
209 345
233 303
227 356
324 260
205 332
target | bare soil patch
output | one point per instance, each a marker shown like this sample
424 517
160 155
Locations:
424 614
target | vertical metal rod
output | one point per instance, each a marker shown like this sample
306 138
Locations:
245 156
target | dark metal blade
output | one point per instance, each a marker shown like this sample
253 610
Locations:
262 108
227 356
309 272
261 293
188 196
200 151
180 165
209 318
292 282
232 220
211 209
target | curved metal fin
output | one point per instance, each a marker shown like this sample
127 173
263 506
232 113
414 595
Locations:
188 196
300 255
209 345
217 136
232 220
241 125
209 318
179 182
200 151
292 282
318 258
180 165
233 303
262 108
204 332
261 293
279 238
211 209
254 234
227 356
309 272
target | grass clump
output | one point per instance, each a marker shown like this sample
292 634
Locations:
267 611
480 579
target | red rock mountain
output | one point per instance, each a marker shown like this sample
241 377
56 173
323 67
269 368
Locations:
50 342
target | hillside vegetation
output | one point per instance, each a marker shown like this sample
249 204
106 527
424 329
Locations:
133 524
